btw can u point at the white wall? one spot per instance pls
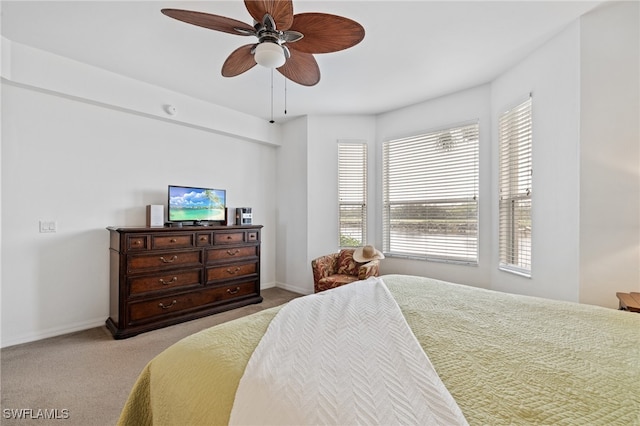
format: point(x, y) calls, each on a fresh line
point(87, 162)
point(586, 234)
point(308, 184)
point(292, 224)
point(610, 153)
point(552, 75)
point(581, 251)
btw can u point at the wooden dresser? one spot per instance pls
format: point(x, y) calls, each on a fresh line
point(163, 276)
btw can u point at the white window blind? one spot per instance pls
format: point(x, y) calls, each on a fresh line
point(430, 195)
point(352, 193)
point(515, 179)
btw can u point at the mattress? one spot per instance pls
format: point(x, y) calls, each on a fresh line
point(505, 359)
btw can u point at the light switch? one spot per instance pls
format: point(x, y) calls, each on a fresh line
point(48, 226)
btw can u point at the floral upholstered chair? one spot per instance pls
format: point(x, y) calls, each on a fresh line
point(347, 266)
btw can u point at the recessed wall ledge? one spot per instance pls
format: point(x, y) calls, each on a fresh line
point(35, 69)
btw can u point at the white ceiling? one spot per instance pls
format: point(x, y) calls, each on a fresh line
point(412, 50)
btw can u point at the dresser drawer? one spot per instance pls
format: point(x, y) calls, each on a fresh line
point(150, 261)
point(137, 242)
point(228, 237)
point(231, 271)
point(172, 305)
point(168, 281)
point(161, 242)
point(230, 253)
point(234, 291)
point(203, 239)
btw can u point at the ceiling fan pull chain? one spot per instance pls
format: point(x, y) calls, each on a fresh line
point(285, 96)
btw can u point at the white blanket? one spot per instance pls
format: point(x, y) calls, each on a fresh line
point(342, 357)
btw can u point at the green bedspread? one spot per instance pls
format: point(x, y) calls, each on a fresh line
point(506, 359)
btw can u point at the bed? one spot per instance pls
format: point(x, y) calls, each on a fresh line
point(505, 359)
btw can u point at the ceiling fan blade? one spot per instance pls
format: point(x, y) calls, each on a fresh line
point(212, 22)
point(302, 68)
point(325, 33)
point(280, 10)
point(239, 61)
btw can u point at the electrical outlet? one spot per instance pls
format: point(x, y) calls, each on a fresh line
point(48, 226)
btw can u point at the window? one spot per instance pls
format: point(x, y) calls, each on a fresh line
point(515, 178)
point(352, 193)
point(430, 195)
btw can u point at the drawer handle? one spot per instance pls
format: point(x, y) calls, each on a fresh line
point(203, 238)
point(173, 240)
point(233, 252)
point(229, 237)
point(234, 291)
point(137, 242)
point(171, 281)
point(162, 305)
point(233, 271)
point(173, 259)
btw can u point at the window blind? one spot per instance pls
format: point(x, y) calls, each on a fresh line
point(430, 195)
point(515, 186)
point(352, 193)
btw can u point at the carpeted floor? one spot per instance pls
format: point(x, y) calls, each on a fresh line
point(84, 378)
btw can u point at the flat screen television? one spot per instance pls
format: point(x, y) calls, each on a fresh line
point(191, 204)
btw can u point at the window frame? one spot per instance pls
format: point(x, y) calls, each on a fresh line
point(515, 189)
point(352, 191)
point(446, 218)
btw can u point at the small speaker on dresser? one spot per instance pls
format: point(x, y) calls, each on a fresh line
point(231, 216)
point(155, 215)
point(244, 216)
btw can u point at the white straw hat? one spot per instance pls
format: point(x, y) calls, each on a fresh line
point(367, 254)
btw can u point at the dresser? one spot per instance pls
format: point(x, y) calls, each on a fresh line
point(164, 276)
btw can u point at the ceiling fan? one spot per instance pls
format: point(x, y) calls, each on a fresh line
point(286, 41)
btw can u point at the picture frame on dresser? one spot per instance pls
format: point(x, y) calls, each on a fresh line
point(164, 276)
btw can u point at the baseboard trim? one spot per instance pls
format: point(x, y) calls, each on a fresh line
point(294, 288)
point(52, 332)
point(264, 286)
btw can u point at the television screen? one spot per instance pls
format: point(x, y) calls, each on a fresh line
point(196, 204)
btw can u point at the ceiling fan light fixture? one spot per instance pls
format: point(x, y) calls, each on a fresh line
point(269, 55)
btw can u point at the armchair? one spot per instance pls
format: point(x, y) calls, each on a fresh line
point(336, 269)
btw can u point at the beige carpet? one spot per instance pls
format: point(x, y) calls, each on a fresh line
point(84, 378)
